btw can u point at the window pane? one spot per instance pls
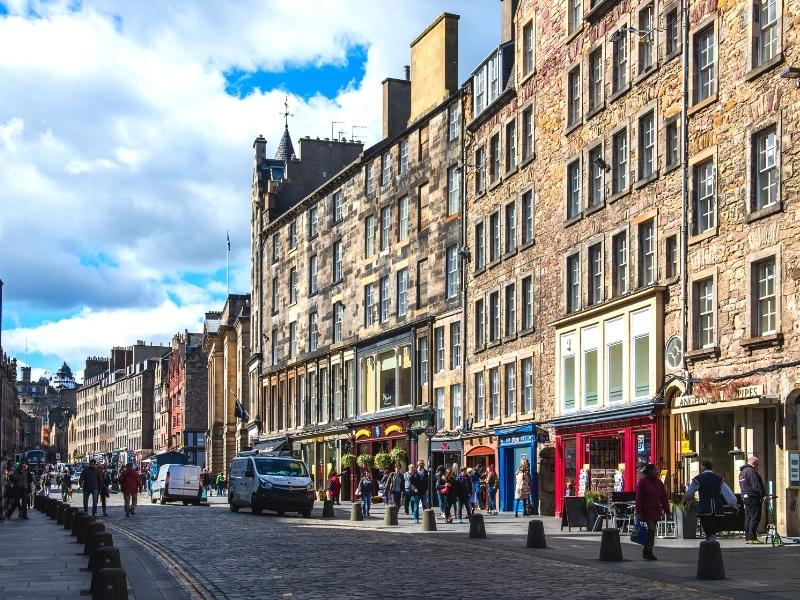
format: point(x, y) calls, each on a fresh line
point(590, 377)
point(641, 368)
point(614, 372)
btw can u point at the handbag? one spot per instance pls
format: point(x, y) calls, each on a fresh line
point(639, 532)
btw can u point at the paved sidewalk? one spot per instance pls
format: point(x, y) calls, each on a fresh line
point(39, 560)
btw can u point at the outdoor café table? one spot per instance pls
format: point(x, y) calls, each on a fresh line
point(623, 513)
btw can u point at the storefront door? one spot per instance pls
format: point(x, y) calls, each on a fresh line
point(716, 440)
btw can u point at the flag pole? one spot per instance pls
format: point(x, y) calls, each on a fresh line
point(228, 263)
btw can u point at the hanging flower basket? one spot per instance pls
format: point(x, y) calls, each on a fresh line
point(383, 460)
point(365, 461)
point(348, 461)
point(398, 455)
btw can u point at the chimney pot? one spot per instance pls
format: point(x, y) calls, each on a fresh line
point(407, 71)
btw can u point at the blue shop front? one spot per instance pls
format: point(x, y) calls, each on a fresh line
point(516, 444)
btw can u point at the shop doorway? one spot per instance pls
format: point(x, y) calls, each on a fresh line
point(716, 440)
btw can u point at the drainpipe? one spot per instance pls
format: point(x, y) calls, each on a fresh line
point(464, 254)
point(685, 196)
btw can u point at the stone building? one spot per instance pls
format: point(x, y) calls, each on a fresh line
point(187, 377)
point(134, 408)
point(161, 416)
point(8, 406)
point(632, 295)
point(356, 286)
point(226, 342)
point(50, 401)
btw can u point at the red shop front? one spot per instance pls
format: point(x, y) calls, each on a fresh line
point(604, 456)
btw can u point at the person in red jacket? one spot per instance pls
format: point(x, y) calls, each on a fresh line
point(651, 499)
point(129, 482)
point(334, 487)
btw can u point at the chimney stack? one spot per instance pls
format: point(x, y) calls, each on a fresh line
point(396, 106)
point(434, 62)
point(507, 22)
point(407, 71)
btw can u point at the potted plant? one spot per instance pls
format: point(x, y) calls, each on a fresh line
point(365, 461)
point(591, 497)
point(348, 461)
point(685, 514)
point(398, 455)
point(383, 460)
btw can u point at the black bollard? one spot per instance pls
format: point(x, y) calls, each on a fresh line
point(390, 516)
point(355, 513)
point(62, 510)
point(106, 557)
point(95, 541)
point(79, 518)
point(428, 520)
point(327, 509)
point(610, 547)
point(709, 561)
point(536, 534)
point(477, 529)
point(109, 584)
point(91, 529)
point(69, 517)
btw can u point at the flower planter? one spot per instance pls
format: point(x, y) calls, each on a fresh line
point(685, 524)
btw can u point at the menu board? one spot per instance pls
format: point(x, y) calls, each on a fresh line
point(794, 467)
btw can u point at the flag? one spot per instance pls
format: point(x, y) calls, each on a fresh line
point(228, 237)
point(240, 412)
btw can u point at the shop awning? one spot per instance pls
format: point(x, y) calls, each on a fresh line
point(481, 451)
point(516, 429)
point(626, 411)
point(280, 445)
point(698, 405)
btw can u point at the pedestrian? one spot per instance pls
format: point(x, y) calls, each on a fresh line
point(423, 484)
point(395, 485)
point(365, 489)
point(450, 492)
point(21, 488)
point(481, 472)
point(440, 485)
point(90, 482)
point(714, 494)
point(651, 500)
point(407, 487)
point(476, 486)
point(465, 491)
point(131, 486)
point(105, 487)
point(492, 485)
point(334, 486)
point(65, 484)
point(752, 487)
point(8, 487)
point(207, 483)
point(218, 484)
point(414, 489)
point(522, 490)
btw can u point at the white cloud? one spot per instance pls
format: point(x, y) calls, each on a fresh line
point(123, 161)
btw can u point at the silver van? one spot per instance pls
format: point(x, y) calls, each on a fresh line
point(268, 482)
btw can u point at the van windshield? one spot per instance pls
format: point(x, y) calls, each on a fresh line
point(283, 467)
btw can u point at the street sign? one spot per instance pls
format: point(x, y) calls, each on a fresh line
point(430, 430)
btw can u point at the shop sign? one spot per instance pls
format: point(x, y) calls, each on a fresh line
point(742, 393)
point(516, 439)
point(794, 468)
point(448, 446)
point(420, 423)
point(686, 447)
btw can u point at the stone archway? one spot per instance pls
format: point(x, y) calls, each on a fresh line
point(547, 481)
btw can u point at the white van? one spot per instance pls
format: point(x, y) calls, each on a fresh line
point(177, 482)
point(268, 482)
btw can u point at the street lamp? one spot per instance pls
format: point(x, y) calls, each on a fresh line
point(791, 73)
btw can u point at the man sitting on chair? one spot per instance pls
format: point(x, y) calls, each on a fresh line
point(714, 494)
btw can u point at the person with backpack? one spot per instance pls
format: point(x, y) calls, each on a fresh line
point(365, 488)
point(334, 486)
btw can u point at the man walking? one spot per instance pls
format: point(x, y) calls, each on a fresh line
point(90, 481)
point(714, 494)
point(407, 477)
point(423, 485)
point(129, 482)
point(752, 488)
point(20, 489)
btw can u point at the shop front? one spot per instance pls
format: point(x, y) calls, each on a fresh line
point(372, 437)
point(481, 451)
point(604, 451)
point(446, 452)
point(515, 445)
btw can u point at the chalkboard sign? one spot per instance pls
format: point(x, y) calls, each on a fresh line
point(573, 513)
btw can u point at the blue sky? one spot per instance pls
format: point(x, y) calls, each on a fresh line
point(126, 133)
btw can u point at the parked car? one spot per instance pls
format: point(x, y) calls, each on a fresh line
point(267, 482)
point(177, 482)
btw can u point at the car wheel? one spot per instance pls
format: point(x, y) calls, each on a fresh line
point(232, 506)
point(306, 514)
point(255, 505)
point(161, 499)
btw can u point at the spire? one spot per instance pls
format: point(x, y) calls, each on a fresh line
point(285, 148)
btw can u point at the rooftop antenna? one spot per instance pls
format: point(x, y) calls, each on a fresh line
point(286, 114)
point(342, 136)
point(335, 123)
point(353, 128)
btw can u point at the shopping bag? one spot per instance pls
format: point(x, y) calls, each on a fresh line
point(639, 532)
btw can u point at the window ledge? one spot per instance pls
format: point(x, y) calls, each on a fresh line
point(619, 93)
point(496, 183)
point(645, 74)
point(493, 344)
point(509, 337)
point(600, 107)
point(702, 354)
point(510, 253)
point(479, 195)
point(573, 126)
point(480, 271)
point(698, 106)
point(510, 172)
point(526, 77)
point(574, 34)
point(479, 349)
point(760, 69)
point(526, 161)
point(574, 219)
point(594, 208)
point(672, 167)
point(618, 195)
point(527, 245)
point(674, 54)
point(699, 237)
point(527, 331)
point(493, 263)
point(763, 212)
point(644, 181)
point(762, 341)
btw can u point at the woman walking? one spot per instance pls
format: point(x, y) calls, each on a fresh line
point(439, 487)
point(651, 499)
point(492, 484)
point(365, 488)
point(105, 483)
point(450, 493)
point(522, 490)
point(334, 486)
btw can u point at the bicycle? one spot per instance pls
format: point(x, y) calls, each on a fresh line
point(771, 536)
